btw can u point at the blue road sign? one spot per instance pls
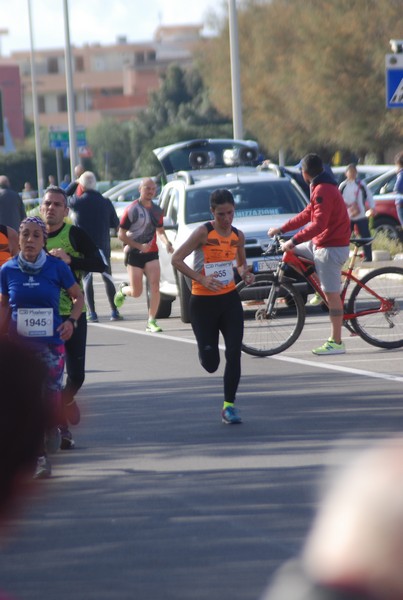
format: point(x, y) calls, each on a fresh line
point(394, 80)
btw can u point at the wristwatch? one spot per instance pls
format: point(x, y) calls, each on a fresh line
point(74, 321)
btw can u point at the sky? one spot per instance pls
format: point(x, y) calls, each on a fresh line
point(94, 21)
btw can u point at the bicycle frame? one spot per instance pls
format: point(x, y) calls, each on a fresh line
point(306, 268)
point(275, 317)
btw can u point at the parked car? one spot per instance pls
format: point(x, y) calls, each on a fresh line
point(116, 187)
point(366, 172)
point(386, 219)
point(125, 193)
point(104, 185)
point(262, 200)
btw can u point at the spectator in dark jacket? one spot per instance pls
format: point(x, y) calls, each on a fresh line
point(97, 216)
point(12, 210)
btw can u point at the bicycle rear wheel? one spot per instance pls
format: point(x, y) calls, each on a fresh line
point(265, 335)
point(383, 328)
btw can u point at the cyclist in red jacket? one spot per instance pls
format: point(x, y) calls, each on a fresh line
point(324, 239)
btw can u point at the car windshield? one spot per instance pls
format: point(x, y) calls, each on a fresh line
point(251, 200)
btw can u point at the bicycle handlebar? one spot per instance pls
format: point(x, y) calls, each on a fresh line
point(274, 246)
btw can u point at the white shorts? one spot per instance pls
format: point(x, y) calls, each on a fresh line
point(328, 263)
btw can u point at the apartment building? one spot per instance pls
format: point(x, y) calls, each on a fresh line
point(109, 81)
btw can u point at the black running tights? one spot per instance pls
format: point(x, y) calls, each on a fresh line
point(209, 316)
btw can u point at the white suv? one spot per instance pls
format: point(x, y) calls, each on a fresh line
point(262, 200)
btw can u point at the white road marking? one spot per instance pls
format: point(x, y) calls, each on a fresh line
point(299, 361)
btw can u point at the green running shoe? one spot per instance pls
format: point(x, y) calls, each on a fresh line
point(330, 347)
point(119, 297)
point(152, 326)
point(316, 300)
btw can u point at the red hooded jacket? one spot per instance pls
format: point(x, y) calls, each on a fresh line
point(326, 218)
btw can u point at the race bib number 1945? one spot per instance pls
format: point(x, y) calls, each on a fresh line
point(35, 322)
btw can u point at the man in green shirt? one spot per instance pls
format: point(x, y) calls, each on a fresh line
point(72, 245)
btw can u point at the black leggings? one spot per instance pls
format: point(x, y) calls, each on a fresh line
point(209, 315)
point(75, 359)
point(362, 226)
point(89, 289)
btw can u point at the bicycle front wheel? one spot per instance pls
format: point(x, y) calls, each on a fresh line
point(267, 334)
point(379, 318)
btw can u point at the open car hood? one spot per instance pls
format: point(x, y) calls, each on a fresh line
point(202, 156)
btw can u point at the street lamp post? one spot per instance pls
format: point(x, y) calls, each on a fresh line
point(38, 150)
point(235, 71)
point(70, 93)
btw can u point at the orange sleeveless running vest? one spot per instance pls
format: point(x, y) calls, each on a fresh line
point(219, 251)
point(5, 253)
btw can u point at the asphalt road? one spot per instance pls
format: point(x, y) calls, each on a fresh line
point(159, 500)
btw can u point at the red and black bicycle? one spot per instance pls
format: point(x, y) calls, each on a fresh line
point(274, 308)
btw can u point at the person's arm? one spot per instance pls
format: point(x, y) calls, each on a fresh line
point(66, 328)
point(196, 239)
point(129, 217)
point(124, 236)
point(319, 221)
point(299, 220)
point(113, 217)
point(13, 245)
point(296, 222)
point(71, 188)
point(243, 268)
point(163, 236)
point(91, 261)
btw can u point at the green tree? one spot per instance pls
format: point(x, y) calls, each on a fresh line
point(178, 111)
point(110, 144)
point(312, 72)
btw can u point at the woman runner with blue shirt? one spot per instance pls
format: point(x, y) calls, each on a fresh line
point(30, 285)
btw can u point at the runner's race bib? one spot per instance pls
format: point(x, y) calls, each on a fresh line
point(35, 322)
point(222, 271)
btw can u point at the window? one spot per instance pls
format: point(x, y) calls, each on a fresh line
point(99, 63)
point(112, 91)
point(174, 206)
point(53, 64)
point(79, 63)
point(41, 105)
point(62, 103)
